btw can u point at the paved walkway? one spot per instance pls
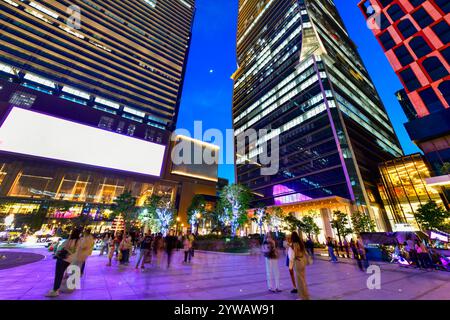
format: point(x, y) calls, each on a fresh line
point(217, 276)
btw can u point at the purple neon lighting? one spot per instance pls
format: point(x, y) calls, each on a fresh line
point(36, 134)
point(284, 195)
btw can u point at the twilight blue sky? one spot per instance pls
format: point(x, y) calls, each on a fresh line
point(208, 89)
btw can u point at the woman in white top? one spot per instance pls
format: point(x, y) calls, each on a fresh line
point(64, 257)
point(290, 264)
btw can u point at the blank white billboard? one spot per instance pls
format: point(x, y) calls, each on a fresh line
point(35, 134)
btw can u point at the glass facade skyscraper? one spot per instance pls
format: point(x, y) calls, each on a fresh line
point(415, 35)
point(300, 77)
point(123, 57)
point(75, 72)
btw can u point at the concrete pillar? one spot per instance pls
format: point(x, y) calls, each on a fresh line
point(325, 213)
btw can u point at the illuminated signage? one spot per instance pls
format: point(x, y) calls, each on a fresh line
point(35, 134)
point(438, 236)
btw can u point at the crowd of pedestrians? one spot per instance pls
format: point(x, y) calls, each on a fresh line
point(149, 249)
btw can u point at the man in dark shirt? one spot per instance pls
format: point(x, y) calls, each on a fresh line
point(145, 249)
point(171, 243)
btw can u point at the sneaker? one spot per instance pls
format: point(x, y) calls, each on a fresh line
point(278, 290)
point(294, 291)
point(52, 294)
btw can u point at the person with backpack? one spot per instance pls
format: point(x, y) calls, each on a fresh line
point(272, 271)
point(64, 255)
point(301, 260)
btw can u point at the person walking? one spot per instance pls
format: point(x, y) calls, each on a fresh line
point(125, 248)
point(309, 244)
point(412, 253)
point(105, 245)
point(290, 262)
point(422, 254)
point(171, 243)
point(300, 263)
point(330, 246)
point(145, 249)
point(187, 246)
point(346, 248)
point(272, 271)
point(356, 256)
point(362, 252)
point(85, 249)
point(64, 257)
point(158, 249)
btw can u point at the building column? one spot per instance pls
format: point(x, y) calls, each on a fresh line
point(13, 169)
point(325, 213)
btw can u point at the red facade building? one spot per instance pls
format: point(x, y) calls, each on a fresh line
point(415, 35)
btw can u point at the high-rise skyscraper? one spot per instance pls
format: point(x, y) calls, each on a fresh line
point(300, 76)
point(89, 95)
point(415, 35)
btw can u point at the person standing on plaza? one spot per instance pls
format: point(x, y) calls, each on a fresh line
point(330, 247)
point(362, 252)
point(158, 248)
point(310, 247)
point(356, 256)
point(271, 254)
point(192, 240)
point(105, 245)
point(171, 243)
point(187, 246)
point(290, 257)
point(125, 248)
point(346, 245)
point(112, 249)
point(412, 253)
point(145, 249)
point(64, 257)
point(300, 263)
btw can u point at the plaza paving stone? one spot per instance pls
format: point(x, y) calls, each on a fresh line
point(219, 276)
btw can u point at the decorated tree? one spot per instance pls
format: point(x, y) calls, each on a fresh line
point(432, 216)
point(125, 205)
point(161, 211)
point(260, 217)
point(341, 224)
point(195, 211)
point(236, 199)
point(275, 219)
point(362, 222)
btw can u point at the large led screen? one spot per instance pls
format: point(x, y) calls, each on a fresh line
point(34, 134)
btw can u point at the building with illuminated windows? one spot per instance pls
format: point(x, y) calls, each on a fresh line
point(89, 96)
point(404, 189)
point(415, 35)
point(300, 77)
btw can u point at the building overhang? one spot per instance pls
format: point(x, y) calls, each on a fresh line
point(439, 181)
point(319, 203)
